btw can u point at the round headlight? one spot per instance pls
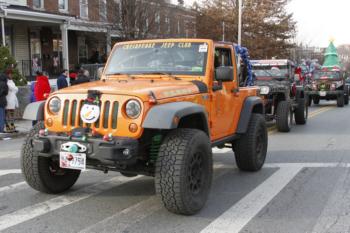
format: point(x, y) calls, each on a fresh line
point(55, 105)
point(133, 109)
point(264, 90)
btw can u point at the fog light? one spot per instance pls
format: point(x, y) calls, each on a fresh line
point(46, 132)
point(133, 128)
point(49, 122)
point(126, 152)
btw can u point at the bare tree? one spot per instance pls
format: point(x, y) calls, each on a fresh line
point(139, 19)
point(267, 28)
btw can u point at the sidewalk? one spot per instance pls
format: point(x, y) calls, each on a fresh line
point(23, 127)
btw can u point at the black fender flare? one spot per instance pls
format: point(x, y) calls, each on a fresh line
point(168, 116)
point(252, 104)
point(34, 111)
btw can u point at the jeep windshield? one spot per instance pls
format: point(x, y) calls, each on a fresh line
point(326, 75)
point(271, 71)
point(168, 58)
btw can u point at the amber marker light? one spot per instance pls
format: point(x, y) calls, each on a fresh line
point(133, 128)
point(49, 122)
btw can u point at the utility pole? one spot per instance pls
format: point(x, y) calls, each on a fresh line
point(240, 22)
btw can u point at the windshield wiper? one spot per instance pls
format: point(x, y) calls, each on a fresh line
point(164, 73)
point(118, 73)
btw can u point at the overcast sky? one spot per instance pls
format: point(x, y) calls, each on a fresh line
point(319, 20)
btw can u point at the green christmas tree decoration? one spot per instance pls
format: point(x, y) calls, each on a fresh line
point(331, 58)
point(7, 61)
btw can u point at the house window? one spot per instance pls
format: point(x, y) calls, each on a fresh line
point(103, 10)
point(167, 23)
point(84, 9)
point(39, 4)
point(63, 5)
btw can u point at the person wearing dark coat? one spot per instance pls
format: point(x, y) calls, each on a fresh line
point(83, 77)
point(3, 102)
point(62, 80)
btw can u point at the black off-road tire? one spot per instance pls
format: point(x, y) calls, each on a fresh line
point(316, 100)
point(340, 101)
point(301, 112)
point(184, 171)
point(43, 174)
point(250, 150)
point(283, 116)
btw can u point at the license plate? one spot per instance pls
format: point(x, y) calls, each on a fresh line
point(323, 93)
point(76, 161)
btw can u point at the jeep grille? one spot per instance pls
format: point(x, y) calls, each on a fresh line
point(107, 120)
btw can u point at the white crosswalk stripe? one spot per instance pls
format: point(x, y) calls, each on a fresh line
point(9, 171)
point(335, 215)
point(39, 209)
point(120, 221)
point(236, 217)
point(12, 187)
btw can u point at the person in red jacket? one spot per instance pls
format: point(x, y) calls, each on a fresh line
point(42, 87)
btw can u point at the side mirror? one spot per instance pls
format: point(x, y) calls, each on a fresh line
point(99, 72)
point(224, 74)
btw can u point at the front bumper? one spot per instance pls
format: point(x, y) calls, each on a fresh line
point(97, 149)
point(328, 94)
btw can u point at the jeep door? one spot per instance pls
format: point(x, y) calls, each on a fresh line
point(223, 105)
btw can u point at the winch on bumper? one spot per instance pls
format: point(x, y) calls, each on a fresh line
point(118, 149)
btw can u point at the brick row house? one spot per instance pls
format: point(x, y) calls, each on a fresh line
point(49, 35)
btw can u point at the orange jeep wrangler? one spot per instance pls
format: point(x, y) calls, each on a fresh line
point(158, 109)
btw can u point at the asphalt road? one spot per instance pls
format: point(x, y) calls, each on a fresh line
point(303, 187)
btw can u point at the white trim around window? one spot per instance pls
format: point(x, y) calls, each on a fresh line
point(63, 5)
point(38, 4)
point(84, 9)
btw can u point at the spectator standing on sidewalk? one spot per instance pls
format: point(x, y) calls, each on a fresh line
point(42, 87)
point(12, 103)
point(83, 77)
point(3, 102)
point(62, 80)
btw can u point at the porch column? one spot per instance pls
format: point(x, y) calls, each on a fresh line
point(65, 53)
point(109, 42)
point(3, 31)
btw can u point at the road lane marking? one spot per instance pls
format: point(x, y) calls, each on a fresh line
point(16, 186)
point(221, 151)
point(335, 217)
point(122, 220)
point(273, 129)
point(236, 217)
point(30, 212)
point(10, 171)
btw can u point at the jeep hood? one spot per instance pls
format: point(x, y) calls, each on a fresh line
point(142, 88)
